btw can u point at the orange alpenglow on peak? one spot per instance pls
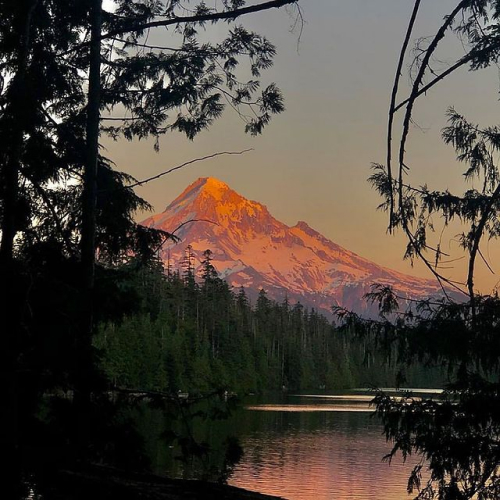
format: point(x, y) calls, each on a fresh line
point(252, 249)
point(208, 185)
point(210, 199)
point(205, 187)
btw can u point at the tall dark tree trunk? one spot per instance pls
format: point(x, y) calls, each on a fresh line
point(89, 205)
point(15, 118)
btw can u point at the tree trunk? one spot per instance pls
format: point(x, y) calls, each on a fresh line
point(89, 199)
point(85, 330)
point(16, 115)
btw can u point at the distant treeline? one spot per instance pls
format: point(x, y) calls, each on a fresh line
point(193, 333)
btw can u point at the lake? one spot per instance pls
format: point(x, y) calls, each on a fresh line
point(304, 447)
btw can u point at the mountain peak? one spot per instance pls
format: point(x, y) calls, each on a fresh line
point(206, 185)
point(210, 184)
point(253, 249)
point(211, 199)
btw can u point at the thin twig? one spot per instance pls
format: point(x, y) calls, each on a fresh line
point(185, 164)
point(176, 239)
point(194, 220)
point(436, 80)
point(416, 87)
point(406, 130)
point(485, 261)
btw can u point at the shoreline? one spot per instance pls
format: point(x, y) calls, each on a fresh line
point(102, 482)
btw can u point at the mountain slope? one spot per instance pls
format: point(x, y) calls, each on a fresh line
point(254, 250)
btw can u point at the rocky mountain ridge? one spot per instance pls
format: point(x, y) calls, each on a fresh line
point(252, 249)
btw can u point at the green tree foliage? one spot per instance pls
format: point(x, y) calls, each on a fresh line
point(44, 68)
point(71, 72)
point(194, 334)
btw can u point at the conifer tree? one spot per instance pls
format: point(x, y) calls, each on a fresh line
point(62, 65)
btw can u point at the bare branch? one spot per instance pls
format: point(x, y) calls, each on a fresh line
point(461, 62)
point(194, 220)
point(171, 235)
point(185, 164)
point(392, 108)
point(211, 17)
point(478, 233)
point(406, 130)
point(416, 87)
point(436, 80)
point(485, 261)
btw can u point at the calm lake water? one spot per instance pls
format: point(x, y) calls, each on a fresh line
point(320, 447)
point(304, 447)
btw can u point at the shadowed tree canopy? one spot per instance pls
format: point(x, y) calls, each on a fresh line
point(70, 72)
point(456, 436)
point(143, 90)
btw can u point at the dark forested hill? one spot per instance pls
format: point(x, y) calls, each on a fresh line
point(194, 334)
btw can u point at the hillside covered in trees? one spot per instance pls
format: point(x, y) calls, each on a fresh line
point(194, 333)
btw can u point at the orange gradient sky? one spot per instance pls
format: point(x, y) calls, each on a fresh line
point(312, 161)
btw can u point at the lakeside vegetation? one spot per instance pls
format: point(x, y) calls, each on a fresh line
point(69, 70)
point(192, 333)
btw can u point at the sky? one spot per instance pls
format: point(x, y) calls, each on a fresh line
point(312, 162)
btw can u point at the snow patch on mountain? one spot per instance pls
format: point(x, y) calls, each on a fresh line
point(251, 248)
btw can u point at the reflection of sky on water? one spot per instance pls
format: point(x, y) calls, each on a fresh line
point(320, 451)
point(343, 397)
point(311, 408)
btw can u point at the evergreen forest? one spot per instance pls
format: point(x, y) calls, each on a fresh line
point(192, 333)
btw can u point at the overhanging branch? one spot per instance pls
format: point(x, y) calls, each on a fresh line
point(185, 164)
point(209, 17)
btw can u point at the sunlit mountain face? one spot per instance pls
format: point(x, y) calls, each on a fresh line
point(252, 249)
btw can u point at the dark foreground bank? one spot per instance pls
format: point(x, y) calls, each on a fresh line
point(101, 482)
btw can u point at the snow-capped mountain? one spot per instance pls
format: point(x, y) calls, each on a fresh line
point(250, 248)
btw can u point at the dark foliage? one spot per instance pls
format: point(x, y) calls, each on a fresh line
point(66, 234)
point(456, 436)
